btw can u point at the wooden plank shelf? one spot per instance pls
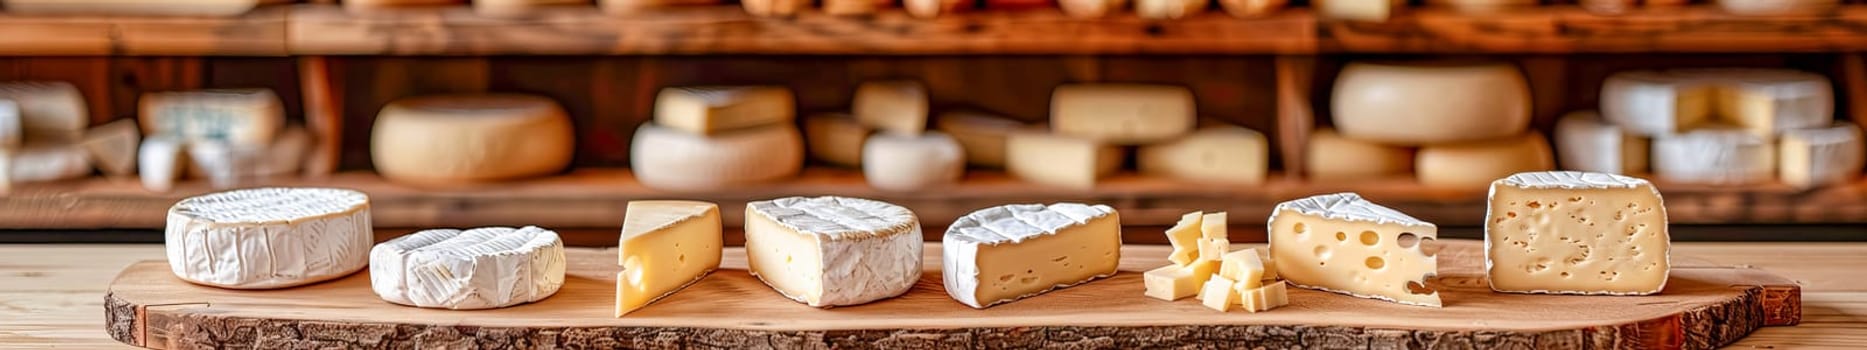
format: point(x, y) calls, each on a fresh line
point(326, 29)
point(596, 198)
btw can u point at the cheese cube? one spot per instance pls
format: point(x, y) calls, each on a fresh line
point(1228, 154)
point(242, 117)
point(1005, 253)
point(1259, 299)
point(1185, 237)
point(835, 138)
point(1475, 164)
point(1821, 156)
point(1345, 244)
point(893, 107)
point(49, 111)
point(905, 163)
point(833, 251)
point(1716, 156)
point(1213, 238)
point(1568, 232)
point(1175, 282)
point(1586, 142)
point(1333, 157)
point(113, 147)
point(665, 246)
point(1060, 160)
point(982, 135)
point(1122, 113)
point(704, 110)
point(1243, 266)
point(1218, 294)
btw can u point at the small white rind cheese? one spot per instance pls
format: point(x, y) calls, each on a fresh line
point(1821, 156)
point(481, 268)
point(269, 237)
point(669, 159)
point(833, 251)
point(1714, 156)
point(905, 163)
point(1006, 253)
point(1570, 232)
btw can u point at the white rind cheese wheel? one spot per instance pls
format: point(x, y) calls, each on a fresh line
point(1333, 157)
point(39, 162)
point(1430, 103)
point(906, 163)
point(671, 159)
point(833, 251)
point(1476, 164)
point(1765, 101)
point(133, 7)
point(894, 107)
point(245, 117)
point(982, 135)
point(1586, 142)
point(1122, 113)
point(49, 111)
point(1002, 254)
point(1226, 154)
point(267, 238)
point(225, 164)
point(481, 268)
point(705, 110)
point(835, 138)
point(113, 147)
point(1821, 156)
point(1719, 156)
point(160, 162)
point(1656, 103)
point(452, 139)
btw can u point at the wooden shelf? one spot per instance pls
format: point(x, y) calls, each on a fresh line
point(596, 198)
point(330, 30)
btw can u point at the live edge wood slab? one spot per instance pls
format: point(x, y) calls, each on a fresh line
point(1705, 305)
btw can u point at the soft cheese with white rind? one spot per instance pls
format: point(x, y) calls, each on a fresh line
point(1006, 253)
point(1586, 142)
point(666, 245)
point(1714, 156)
point(160, 160)
point(705, 110)
point(266, 238)
point(671, 159)
point(49, 111)
point(833, 251)
point(482, 268)
point(1390, 103)
point(905, 163)
point(1821, 156)
point(1345, 244)
point(1571, 232)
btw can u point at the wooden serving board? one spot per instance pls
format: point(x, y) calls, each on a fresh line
point(1704, 306)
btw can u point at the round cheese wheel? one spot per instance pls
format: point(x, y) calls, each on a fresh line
point(1476, 164)
point(1430, 103)
point(266, 238)
point(1719, 155)
point(670, 159)
point(905, 163)
point(471, 138)
point(1333, 157)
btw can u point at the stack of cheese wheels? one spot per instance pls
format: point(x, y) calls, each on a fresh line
point(887, 137)
point(269, 237)
point(1094, 126)
point(1715, 126)
point(233, 137)
point(717, 137)
point(1452, 124)
point(459, 139)
point(42, 125)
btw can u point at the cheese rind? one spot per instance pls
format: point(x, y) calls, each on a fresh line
point(49, 111)
point(41, 162)
point(704, 110)
point(1345, 244)
point(1586, 142)
point(481, 268)
point(665, 246)
point(1231, 155)
point(893, 107)
point(1002, 254)
point(905, 163)
point(1821, 156)
point(113, 147)
point(266, 238)
point(1568, 232)
point(833, 251)
point(1388, 103)
point(160, 162)
point(1719, 156)
point(1175, 282)
point(1060, 160)
point(1333, 157)
point(1768, 101)
point(456, 139)
point(835, 138)
point(1122, 113)
point(670, 159)
point(1476, 164)
point(983, 136)
point(1656, 102)
point(249, 117)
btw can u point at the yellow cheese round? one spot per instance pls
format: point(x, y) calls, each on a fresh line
point(1333, 157)
point(1430, 103)
point(471, 138)
point(1476, 164)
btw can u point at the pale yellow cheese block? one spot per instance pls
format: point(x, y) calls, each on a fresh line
point(1333, 157)
point(1568, 232)
point(1430, 103)
point(1821, 156)
point(894, 107)
point(1214, 240)
point(49, 111)
point(1261, 299)
point(453, 139)
point(1060, 160)
point(1244, 267)
point(1185, 236)
point(982, 135)
point(665, 246)
point(835, 138)
point(1175, 282)
point(1218, 294)
point(1226, 154)
point(1122, 113)
point(1476, 164)
point(113, 147)
point(705, 110)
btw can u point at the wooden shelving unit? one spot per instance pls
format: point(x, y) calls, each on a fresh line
point(1271, 74)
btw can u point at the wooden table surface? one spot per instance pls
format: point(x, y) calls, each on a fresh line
point(51, 296)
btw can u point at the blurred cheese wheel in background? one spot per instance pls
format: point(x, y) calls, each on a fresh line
point(1417, 104)
point(670, 159)
point(471, 138)
point(1475, 164)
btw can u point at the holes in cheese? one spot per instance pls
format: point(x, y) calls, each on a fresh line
point(1567, 232)
point(1312, 247)
point(665, 246)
